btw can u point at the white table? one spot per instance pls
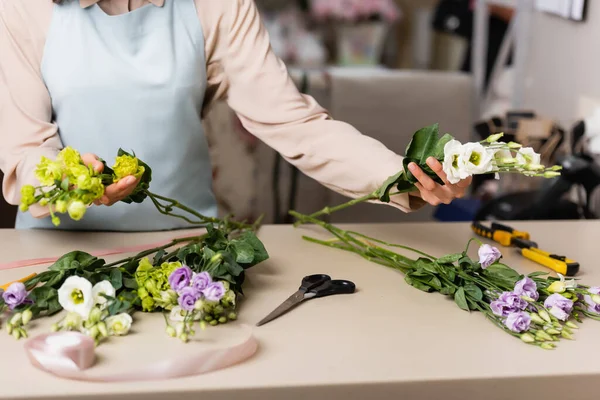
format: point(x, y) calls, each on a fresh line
point(387, 341)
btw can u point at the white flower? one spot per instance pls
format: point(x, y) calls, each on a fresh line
point(75, 295)
point(477, 159)
point(453, 165)
point(119, 325)
point(527, 155)
point(100, 289)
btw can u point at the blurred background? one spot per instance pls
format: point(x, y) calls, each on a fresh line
point(390, 67)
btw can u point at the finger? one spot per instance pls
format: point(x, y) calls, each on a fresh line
point(92, 160)
point(435, 197)
point(455, 189)
point(428, 183)
point(119, 190)
point(427, 196)
point(465, 183)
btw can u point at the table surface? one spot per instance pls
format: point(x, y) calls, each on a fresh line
point(386, 341)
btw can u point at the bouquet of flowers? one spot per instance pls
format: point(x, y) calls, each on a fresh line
point(193, 279)
point(538, 310)
point(67, 185)
point(460, 161)
point(355, 10)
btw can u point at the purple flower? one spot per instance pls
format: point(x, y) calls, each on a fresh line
point(508, 303)
point(592, 306)
point(15, 295)
point(180, 278)
point(214, 292)
point(201, 281)
point(488, 255)
point(518, 321)
point(527, 287)
point(188, 298)
point(559, 306)
point(594, 290)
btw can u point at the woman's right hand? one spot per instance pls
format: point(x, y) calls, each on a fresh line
point(115, 192)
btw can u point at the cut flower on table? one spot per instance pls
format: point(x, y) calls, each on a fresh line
point(538, 310)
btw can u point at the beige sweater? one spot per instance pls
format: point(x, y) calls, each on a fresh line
point(242, 69)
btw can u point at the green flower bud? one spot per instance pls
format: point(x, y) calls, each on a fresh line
point(16, 334)
point(208, 318)
point(142, 293)
point(596, 299)
point(23, 333)
point(222, 320)
point(102, 329)
point(95, 315)
point(571, 325)
point(214, 322)
point(148, 304)
point(93, 332)
point(551, 174)
point(171, 331)
point(494, 138)
point(150, 286)
point(545, 316)
point(528, 338)
point(566, 335)
point(16, 319)
point(76, 210)
point(55, 221)
point(9, 328)
point(43, 202)
point(513, 145)
point(552, 331)
point(567, 295)
point(27, 315)
point(544, 335)
point(199, 305)
point(184, 338)
point(202, 325)
point(535, 317)
point(61, 206)
point(547, 346)
point(556, 168)
point(55, 328)
point(232, 316)
point(218, 309)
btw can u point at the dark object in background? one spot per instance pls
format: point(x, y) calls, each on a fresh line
point(456, 17)
point(8, 213)
point(549, 202)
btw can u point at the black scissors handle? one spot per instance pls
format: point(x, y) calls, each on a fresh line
point(333, 287)
point(313, 281)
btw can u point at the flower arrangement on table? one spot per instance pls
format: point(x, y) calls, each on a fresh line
point(536, 309)
point(539, 310)
point(196, 280)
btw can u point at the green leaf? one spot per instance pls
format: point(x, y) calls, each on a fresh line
point(427, 265)
point(160, 254)
point(260, 252)
point(460, 299)
point(243, 251)
point(449, 259)
point(57, 279)
point(435, 283)
point(116, 278)
point(42, 295)
point(130, 283)
point(538, 273)
point(416, 284)
point(438, 151)
point(384, 191)
point(422, 144)
point(75, 260)
point(447, 290)
point(474, 291)
point(54, 306)
point(502, 274)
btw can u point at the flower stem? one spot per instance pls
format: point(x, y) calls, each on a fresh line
point(328, 210)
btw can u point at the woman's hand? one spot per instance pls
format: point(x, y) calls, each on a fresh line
point(431, 191)
point(115, 192)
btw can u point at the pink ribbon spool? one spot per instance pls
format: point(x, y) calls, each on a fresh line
point(69, 354)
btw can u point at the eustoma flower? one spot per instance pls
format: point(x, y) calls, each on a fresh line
point(488, 255)
point(508, 303)
point(527, 287)
point(76, 295)
point(518, 321)
point(15, 295)
point(559, 306)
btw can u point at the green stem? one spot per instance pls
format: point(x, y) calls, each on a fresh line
point(392, 245)
point(203, 220)
point(328, 210)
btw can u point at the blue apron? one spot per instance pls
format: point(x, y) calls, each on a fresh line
point(135, 81)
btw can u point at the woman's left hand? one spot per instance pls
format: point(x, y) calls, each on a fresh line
point(431, 191)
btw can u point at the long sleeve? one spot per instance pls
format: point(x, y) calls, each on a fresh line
point(26, 131)
point(261, 92)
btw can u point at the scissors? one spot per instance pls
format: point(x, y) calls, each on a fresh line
point(312, 286)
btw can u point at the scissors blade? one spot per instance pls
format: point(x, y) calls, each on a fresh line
point(292, 301)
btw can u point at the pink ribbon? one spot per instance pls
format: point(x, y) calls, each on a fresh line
point(100, 253)
point(69, 354)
